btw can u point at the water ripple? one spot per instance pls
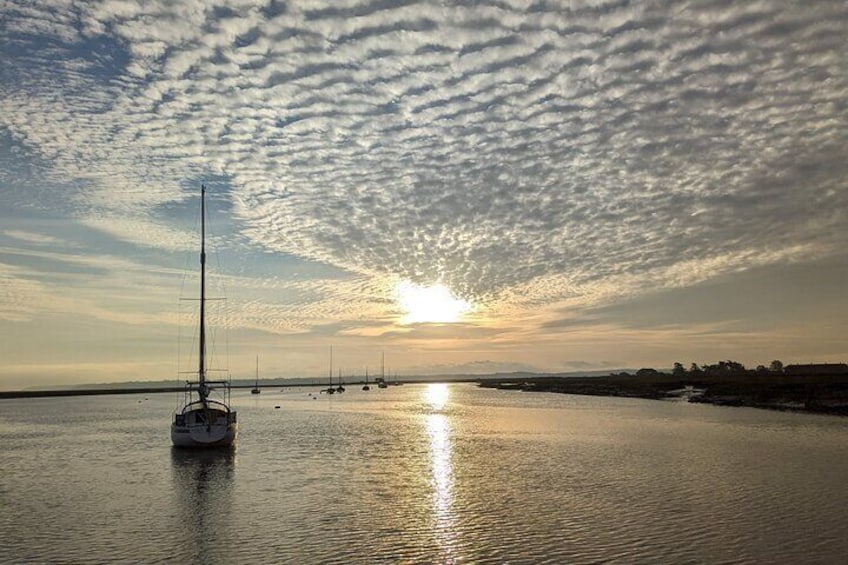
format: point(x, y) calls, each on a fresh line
point(412, 475)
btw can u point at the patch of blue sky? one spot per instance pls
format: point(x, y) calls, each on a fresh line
point(101, 58)
point(49, 269)
point(229, 248)
point(19, 164)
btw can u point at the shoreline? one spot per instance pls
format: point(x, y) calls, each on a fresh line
point(817, 394)
point(101, 391)
point(84, 392)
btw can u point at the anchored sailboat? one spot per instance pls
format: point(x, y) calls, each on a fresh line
point(381, 380)
point(341, 387)
point(204, 422)
point(255, 389)
point(330, 389)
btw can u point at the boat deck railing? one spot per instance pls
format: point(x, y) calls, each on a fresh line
point(221, 390)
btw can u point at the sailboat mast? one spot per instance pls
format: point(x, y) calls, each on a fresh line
point(201, 371)
point(331, 365)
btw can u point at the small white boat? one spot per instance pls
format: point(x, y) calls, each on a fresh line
point(203, 421)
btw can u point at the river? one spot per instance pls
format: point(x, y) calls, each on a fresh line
point(428, 473)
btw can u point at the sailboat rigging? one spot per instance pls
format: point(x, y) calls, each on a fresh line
point(203, 421)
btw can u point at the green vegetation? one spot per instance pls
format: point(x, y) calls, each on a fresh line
point(821, 388)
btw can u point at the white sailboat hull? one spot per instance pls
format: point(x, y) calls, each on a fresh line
point(216, 435)
point(209, 424)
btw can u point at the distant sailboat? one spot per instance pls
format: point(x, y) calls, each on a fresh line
point(340, 388)
point(381, 381)
point(204, 422)
point(255, 389)
point(330, 389)
point(366, 387)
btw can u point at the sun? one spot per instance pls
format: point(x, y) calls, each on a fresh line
point(430, 304)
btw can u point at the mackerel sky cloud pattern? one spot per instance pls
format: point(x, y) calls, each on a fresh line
point(520, 152)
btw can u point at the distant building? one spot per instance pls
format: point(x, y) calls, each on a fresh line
point(813, 369)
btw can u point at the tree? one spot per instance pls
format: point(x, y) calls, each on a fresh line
point(776, 366)
point(734, 367)
point(724, 368)
point(678, 370)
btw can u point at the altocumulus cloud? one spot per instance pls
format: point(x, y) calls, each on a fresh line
point(516, 151)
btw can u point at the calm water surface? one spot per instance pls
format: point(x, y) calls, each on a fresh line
point(423, 474)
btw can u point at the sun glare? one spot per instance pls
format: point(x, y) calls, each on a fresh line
point(436, 395)
point(430, 304)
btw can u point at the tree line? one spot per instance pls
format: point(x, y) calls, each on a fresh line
point(726, 368)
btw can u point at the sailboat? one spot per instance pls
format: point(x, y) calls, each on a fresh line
point(341, 387)
point(381, 380)
point(203, 421)
point(330, 389)
point(366, 387)
point(255, 389)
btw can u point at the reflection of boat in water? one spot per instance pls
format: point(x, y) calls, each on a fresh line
point(255, 389)
point(203, 421)
point(203, 485)
point(199, 464)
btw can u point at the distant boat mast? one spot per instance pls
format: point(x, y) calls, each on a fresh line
point(255, 389)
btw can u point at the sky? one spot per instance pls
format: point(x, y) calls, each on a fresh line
point(463, 187)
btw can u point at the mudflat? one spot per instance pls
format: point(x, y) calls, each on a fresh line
point(826, 394)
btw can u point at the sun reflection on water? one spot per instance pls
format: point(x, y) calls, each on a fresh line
point(438, 428)
point(436, 395)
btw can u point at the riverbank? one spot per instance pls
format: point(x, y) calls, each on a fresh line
point(84, 392)
point(824, 394)
point(109, 390)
